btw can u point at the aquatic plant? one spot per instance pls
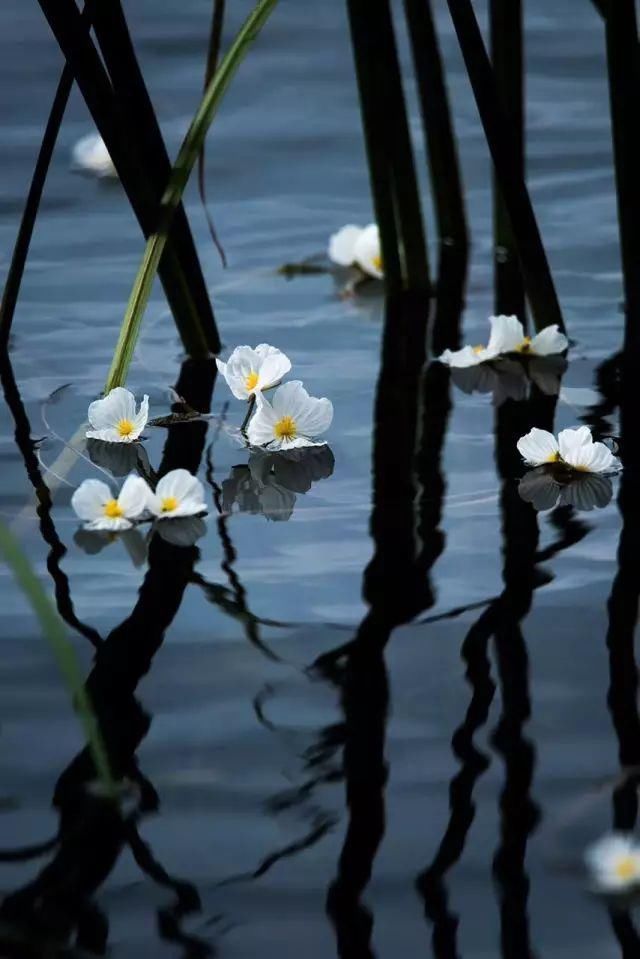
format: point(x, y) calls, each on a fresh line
point(573, 449)
point(507, 336)
point(249, 371)
point(115, 418)
point(358, 246)
point(94, 502)
point(177, 494)
point(291, 421)
point(614, 863)
point(90, 155)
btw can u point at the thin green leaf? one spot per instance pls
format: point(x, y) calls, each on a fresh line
point(186, 160)
point(54, 633)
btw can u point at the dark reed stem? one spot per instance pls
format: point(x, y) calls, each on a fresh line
point(537, 276)
point(389, 150)
point(140, 121)
point(444, 168)
point(505, 20)
point(178, 275)
point(29, 214)
point(213, 53)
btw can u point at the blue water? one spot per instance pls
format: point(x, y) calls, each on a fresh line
point(244, 747)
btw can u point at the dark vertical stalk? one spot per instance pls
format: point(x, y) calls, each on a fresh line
point(444, 170)
point(389, 150)
point(213, 53)
point(141, 124)
point(505, 19)
point(535, 268)
point(177, 275)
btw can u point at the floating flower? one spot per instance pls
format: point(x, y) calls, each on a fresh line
point(94, 503)
point(614, 863)
point(545, 489)
point(249, 371)
point(507, 336)
point(90, 154)
point(115, 420)
point(358, 246)
point(178, 493)
point(573, 449)
point(292, 421)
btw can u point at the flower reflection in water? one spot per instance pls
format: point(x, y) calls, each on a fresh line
point(510, 379)
point(269, 483)
point(546, 487)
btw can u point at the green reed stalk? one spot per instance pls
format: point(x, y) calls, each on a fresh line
point(389, 150)
point(535, 268)
point(186, 160)
point(505, 21)
point(54, 633)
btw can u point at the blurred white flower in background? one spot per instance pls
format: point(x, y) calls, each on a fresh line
point(614, 863)
point(358, 246)
point(91, 155)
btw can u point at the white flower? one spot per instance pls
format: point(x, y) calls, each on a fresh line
point(507, 336)
point(94, 503)
point(178, 493)
point(358, 246)
point(292, 421)
point(572, 448)
point(114, 419)
point(614, 863)
point(90, 153)
point(249, 371)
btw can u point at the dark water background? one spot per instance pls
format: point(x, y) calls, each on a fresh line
point(244, 748)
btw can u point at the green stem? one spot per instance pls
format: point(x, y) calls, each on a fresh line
point(186, 160)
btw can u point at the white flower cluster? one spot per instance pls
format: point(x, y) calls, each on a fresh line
point(292, 419)
point(177, 495)
point(358, 246)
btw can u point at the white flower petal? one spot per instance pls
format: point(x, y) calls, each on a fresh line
point(549, 341)
point(114, 523)
point(109, 435)
point(614, 863)
point(134, 497)
point(141, 417)
point(90, 153)
point(260, 428)
point(106, 414)
point(575, 446)
point(342, 245)
point(89, 499)
point(316, 418)
point(179, 485)
point(538, 447)
point(272, 368)
point(367, 251)
point(461, 359)
point(507, 334)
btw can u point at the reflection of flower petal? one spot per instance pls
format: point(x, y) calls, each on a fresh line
point(94, 541)
point(510, 382)
point(546, 372)
point(119, 458)
point(539, 488)
point(586, 492)
point(182, 531)
point(276, 503)
point(270, 481)
point(474, 379)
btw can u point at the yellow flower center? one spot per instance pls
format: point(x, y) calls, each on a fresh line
point(377, 263)
point(168, 504)
point(286, 429)
point(525, 346)
point(478, 349)
point(112, 509)
point(125, 427)
point(626, 868)
point(554, 458)
point(252, 380)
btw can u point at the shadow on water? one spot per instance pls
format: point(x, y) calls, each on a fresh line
point(57, 906)
point(27, 447)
